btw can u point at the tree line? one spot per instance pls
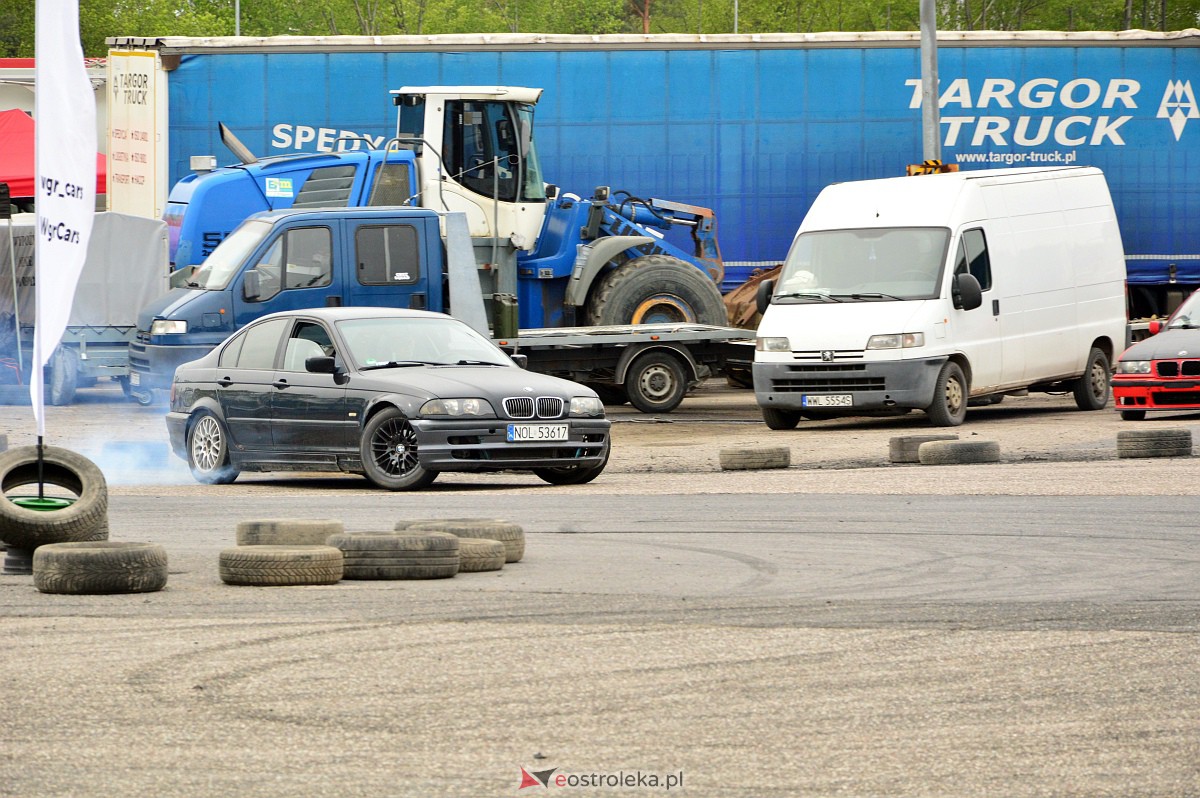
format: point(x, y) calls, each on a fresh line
point(100, 19)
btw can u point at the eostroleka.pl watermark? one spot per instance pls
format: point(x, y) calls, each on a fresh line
point(622, 779)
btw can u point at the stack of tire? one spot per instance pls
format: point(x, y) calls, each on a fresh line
point(486, 544)
point(283, 552)
point(398, 555)
point(64, 542)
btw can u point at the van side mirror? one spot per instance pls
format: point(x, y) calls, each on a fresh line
point(762, 297)
point(966, 292)
point(250, 284)
point(521, 360)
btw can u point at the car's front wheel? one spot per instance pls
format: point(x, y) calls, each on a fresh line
point(208, 451)
point(572, 475)
point(389, 452)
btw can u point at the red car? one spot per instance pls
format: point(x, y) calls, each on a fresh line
point(1162, 372)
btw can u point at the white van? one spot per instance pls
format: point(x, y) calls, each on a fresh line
point(934, 291)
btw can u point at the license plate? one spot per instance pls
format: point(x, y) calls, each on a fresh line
point(829, 400)
point(534, 433)
point(135, 378)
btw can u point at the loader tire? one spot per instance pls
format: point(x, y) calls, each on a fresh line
point(958, 452)
point(97, 568)
point(287, 532)
point(656, 289)
point(511, 535)
point(83, 519)
point(747, 458)
point(1154, 443)
point(905, 449)
point(278, 566)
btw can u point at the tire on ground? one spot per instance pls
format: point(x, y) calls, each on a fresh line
point(511, 535)
point(287, 532)
point(958, 452)
point(278, 566)
point(903, 449)
point(99, 567)
point(407, 554)
point(743, 458)
point(84, 519)
point(1154, 443)
point(656, 288)
point(480, 554)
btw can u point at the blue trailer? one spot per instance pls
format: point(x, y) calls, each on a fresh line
point(752, 126)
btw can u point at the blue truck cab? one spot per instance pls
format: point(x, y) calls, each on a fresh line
point(207, 205)
point(284, 260)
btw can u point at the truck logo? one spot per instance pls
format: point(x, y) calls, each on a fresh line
point(827, 355)
point(1178, 105)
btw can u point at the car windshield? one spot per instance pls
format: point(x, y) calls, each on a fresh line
point(396, 342)
point(1187, 317)
point(868, 265)
point(220, 267)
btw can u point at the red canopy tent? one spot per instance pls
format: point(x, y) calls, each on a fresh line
point(16, 155)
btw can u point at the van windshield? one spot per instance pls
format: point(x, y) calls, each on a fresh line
point(867, 265)
point(220, 267)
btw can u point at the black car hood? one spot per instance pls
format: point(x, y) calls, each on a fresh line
point(488, 382)
point(1167, 345)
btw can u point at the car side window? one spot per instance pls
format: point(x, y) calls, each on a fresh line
point(387, 254)
point(260, 344)
point(229, 355)
point(973, 257)
point(308, 339)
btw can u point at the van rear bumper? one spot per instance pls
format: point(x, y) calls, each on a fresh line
point(880, 385)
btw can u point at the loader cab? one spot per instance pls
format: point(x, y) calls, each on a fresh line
point(488, 165)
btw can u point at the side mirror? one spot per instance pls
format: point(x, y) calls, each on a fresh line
point(1155, 327)
point(251, 288)
point(521, 360)
point(762, 298)
point(321, 364)
point(966, 292)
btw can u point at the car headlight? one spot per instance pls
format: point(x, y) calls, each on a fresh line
point(168, 327)
point(767, 344)
point(896, 341)
point(1133, 367)
point(457, 407)
point(586, 406)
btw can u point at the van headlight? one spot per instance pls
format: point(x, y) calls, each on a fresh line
point(168, 327)
point(896, 341)
point(772, 345)
point(457, 407)
point(586, 406)
point(1133, 367)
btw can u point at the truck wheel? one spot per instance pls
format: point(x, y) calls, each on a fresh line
point(949, 406)
point(780, 419)
point(62, 376)
point(208, 450)
point(1091, 390)
point(571, 475)
point(656, 289)
point(389, 453)
point(656, 382)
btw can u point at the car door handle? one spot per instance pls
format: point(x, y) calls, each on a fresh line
point(224, 382)
point(280, 383)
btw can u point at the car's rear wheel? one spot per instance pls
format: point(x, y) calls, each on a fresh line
point(208, 451)
point(390, 455)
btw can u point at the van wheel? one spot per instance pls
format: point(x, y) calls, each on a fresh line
point(1091, 390)
point(780, 419)
point(949, 406)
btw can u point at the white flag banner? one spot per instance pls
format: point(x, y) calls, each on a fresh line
point(65, 154)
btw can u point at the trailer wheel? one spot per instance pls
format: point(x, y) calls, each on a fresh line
point(62, 376)
point(1091, 390)
point(208, 450)
point(656, 289)
point(656, 382)
point(780, 419)
point(949, 406)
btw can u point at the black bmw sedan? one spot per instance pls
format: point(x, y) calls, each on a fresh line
point(396, 395)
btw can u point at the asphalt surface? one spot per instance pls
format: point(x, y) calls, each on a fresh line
point(844, 626)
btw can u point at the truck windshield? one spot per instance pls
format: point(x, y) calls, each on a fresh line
point(220, 267)
point(866, 265)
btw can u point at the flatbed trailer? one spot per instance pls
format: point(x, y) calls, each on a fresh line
point(652, 366)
